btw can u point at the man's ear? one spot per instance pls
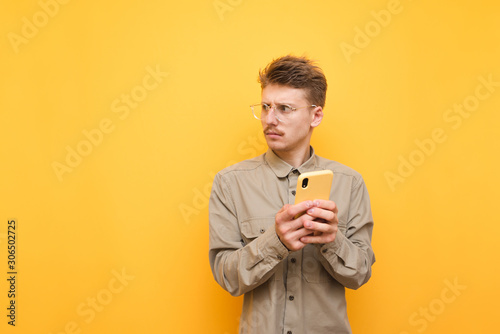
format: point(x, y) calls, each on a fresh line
point(317, 116)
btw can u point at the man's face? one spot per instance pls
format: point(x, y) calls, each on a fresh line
point(292, 133)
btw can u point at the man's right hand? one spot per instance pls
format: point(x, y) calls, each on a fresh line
point(289, 229)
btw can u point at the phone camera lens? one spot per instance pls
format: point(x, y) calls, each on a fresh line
point(305, 182)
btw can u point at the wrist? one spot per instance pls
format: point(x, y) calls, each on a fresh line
point(288, 249)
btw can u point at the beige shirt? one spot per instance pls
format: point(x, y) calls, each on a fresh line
point(287, 292)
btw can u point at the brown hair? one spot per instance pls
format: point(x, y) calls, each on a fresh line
point(296, 72)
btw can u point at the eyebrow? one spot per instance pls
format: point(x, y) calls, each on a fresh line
point(279, 103)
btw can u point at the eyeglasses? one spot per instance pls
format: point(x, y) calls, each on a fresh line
point(281, 111)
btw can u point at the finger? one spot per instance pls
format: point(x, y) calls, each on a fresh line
point(326, 204)
point(284, 208)
point(322, 214)
point(294, 210)
point(320, 239)
point(291, 239)
point(320, 227)
point(299, 222)
point(285, 225)
point(299, 234)
point(281, 216)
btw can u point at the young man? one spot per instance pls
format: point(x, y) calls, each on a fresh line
point(293, 272)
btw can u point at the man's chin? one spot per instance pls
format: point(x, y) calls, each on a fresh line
point(276, 146)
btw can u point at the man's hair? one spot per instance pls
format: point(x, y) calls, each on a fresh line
point(296, 72)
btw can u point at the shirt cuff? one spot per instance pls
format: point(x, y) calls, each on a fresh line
point(271, 245)
point(332, 248)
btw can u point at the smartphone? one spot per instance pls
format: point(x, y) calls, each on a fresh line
point(313, 185)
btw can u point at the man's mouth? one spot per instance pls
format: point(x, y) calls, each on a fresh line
point(272, 133)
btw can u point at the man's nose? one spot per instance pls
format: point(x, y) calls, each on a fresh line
point(271, 117)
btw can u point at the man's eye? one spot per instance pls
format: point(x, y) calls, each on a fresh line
point(285, 108)
point(265, 107)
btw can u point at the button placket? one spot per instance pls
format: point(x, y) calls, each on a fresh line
point(293, 273)
point(292, 184)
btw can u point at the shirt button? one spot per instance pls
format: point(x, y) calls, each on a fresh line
point(291, 297)
point(296, 171)
point(293, 192)
point(289, 332)
point(262, 230)
point(324, 250)
point(280, 257)
point(293, 260)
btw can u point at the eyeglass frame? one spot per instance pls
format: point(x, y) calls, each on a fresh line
point(270, 106)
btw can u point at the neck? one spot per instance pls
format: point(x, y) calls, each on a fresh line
point(296, 157)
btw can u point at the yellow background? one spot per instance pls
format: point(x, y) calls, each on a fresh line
point(137, 202)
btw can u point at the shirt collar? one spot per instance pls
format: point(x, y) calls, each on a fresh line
point(282, 168)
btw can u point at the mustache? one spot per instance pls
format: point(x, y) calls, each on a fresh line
point(272, 130)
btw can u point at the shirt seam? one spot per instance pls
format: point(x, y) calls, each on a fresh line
point(353, 187)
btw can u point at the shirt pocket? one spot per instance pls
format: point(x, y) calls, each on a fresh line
point(312, 269)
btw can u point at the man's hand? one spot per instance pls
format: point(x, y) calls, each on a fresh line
point(317, 225)
point(324, 222)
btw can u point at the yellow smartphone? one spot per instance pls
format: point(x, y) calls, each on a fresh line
point(313, 185)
